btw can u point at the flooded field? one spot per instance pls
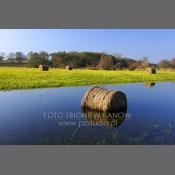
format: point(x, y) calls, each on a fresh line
point(54, 116)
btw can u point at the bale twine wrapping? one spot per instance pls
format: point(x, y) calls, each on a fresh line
point(97, 98)
point(44, 67)
point(69, 68)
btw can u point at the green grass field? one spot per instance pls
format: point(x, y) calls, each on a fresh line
point(24, 78)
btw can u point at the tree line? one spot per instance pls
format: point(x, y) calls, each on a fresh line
point(90, 60)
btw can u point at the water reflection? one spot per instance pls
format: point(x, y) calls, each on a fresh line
point(149, 84)
point(150, 117)
point(104, 118)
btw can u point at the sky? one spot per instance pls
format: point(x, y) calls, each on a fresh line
point(156, 44)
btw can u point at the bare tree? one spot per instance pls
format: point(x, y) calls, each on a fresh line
point(106, 62)
point(164, 64)
point(145, 63)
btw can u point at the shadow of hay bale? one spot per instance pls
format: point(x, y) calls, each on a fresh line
point(104, 100)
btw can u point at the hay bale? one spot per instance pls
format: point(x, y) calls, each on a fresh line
point(152, 70)
point(69, 68)
point(44, 67)
point(150, 84)
point(100, 99)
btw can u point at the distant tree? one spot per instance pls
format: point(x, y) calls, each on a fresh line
point(38, 58)
point(133, 65)
point(106, 62)
point(118, 65)
point(141, 63)
point(145, 63)
point(11, 56)
point(164, 64)
point(35, 60)
point(56, 60)
point(20, 56)
point(44, 55)
point(2, 56)
point(173, 63)
point(92, 60)
point(29, 55)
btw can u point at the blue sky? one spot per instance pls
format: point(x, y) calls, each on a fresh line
point(156, 44)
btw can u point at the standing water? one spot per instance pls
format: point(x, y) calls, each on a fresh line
point(54, 116)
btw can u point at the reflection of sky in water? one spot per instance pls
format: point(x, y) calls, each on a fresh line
point(152, 116)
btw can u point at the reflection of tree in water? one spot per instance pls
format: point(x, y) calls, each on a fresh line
point(104, 118)
point(149, 84)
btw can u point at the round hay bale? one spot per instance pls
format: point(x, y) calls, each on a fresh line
point(150, 84)
point(97, 98)
point(69, 68)
point(152, 70)
point(103, 118)
point(44, 67)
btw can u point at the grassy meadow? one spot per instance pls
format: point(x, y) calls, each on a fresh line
point(24, 78)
